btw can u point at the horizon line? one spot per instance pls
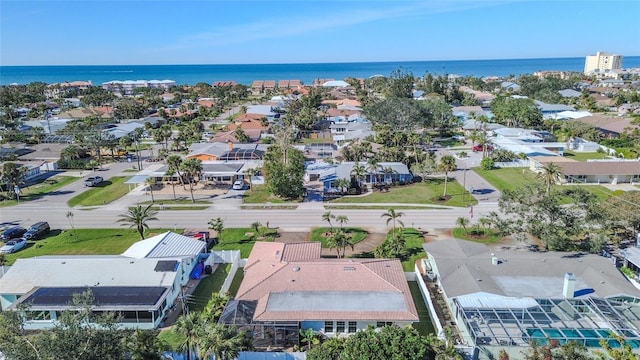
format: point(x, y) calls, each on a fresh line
point(308, 63)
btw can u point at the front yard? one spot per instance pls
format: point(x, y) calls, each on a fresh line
point(425, 192)
point(48, 186)
point(104, 193)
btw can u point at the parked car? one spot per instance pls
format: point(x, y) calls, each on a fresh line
point(93, 181)
point(12, 233)
point(479, 147)
point(238, 185)
point(37, 230)
point(12, 246)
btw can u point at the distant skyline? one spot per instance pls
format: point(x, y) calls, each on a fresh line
point(147, 32)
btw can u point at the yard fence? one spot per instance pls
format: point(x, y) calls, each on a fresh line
point(227, 257)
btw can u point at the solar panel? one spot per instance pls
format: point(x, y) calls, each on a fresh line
point(103, 296)
point(166, 265)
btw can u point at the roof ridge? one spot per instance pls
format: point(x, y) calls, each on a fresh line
point(282, 263)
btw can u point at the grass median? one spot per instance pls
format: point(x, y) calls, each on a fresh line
point(46, 187)
point(104, 193)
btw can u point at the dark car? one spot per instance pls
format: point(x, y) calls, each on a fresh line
point(479, 148)
point(37, 230)
point(12, 233)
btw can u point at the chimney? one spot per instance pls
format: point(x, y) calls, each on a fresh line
point(569, 287)
point(230, 145)
point(494, 259)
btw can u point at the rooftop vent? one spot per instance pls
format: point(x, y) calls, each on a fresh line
point(296, 268)
point(349, 268)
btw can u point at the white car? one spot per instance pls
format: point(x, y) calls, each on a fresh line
point(238, 185)
point(14, 245)
point(93, 181)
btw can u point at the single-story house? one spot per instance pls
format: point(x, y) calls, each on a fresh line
point(503, 298)
point(609, 126)
point(229, 151)
point(289, 286)
point(594, 172)
point(141, 284)
point(386, 172)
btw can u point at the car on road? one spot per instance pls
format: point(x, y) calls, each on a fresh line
point(238, 185)
point(37, 230)
point(12, 233)
point(12, 246)
point(479, 148)
point(93, 181)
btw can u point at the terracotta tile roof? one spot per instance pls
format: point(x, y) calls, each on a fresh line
point(298, 270)
point(270, 84)
point(257, 83)
point(608, 123)
point(283, 83)
point(206, 103)
point(249, 122)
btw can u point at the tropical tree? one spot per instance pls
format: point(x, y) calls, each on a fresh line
point(358, 172)
point(69, 216)
point(217, 225)
point(394, 217)
point(190, 327)
point(168, 175)
point(342, 184)
point(191, 169)
point(309, 337)
point(327, 216)
point(463, 222)
point(446, 165)
point(373, 168)
point(13, 174)
point(174, 163)
point(138, 217)
point(550, 174)
point(150, 181)
point(342, 219)
point(221, 341)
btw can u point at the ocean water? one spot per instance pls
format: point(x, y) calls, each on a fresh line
point(246, 73)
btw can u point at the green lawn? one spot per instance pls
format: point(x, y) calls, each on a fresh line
point(171, 338)
point(580, 156)
point(507, 178)
point(48, 186)
point(513, 178)
point(235, 284)
point(207, 286)
point(238, 239)
point(106, 192)
point(418, 193)
point(178, 201)
point(489, 236)
point(317, 234)
point(82, 242)
point(425, 326)
point(259, 194)
point(414, 239)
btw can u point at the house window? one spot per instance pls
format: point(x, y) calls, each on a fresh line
point(339, 327)
point(380, 324)
point(353, 326)
point(328, 326)
point(37, 315)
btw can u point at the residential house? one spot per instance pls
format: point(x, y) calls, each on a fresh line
point(223, 83)
point(482, 97)
point(503, 298)
point(610, 126)
point(549, 111)
point(386, 172)
point(289, 287)
point(607, 171)
point(142, 284)
point(510, 86)
point(257, 87)
point(569, 93)
point(218, 151)
point(344, 131)
point(250, 122)
point(127, 87)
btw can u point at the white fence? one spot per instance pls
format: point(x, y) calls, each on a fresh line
point(226, 257)
point(427, 299)
point(510, 164)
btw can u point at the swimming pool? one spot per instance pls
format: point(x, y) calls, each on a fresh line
point(587, 337)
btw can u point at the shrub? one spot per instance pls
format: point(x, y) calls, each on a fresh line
point(487, 163)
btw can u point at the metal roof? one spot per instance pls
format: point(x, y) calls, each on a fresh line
point(105, 296)
point(137, 179)
point(165, 245)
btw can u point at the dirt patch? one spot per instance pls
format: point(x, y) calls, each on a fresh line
point(293, 237)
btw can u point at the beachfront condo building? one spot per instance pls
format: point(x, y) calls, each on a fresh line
point(601, 62)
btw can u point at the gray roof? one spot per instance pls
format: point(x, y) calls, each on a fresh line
point(569, 93)
point(553, 107)
point(336, 301)
point(465, 267)
point(71, 271)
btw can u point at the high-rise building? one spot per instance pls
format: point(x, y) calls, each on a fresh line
point(601, 62)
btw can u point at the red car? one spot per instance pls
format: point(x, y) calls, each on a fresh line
point(479, 147)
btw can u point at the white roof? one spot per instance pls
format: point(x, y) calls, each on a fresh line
point(165, 246)
point(70, 271)
point(336, 83)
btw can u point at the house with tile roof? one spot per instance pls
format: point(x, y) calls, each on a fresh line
point(289, 286)
point(606, 171)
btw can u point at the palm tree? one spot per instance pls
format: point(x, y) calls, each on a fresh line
point(393, 216)
point(190, 326)
point(221, 341)
point(462, 222)
point(192, 168)
point(447, 164)
point(70, 218)
point(174, 163)
point(372, 167)
point(398, 243)
point(138, 217)
point(550, 174)
point(358, 172)
point(169, 174)
point(342, 219)
point(342, 184)
point(327, 216)
point(340, 240)
point(150, 182)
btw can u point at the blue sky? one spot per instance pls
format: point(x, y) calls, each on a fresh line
point(240, 31)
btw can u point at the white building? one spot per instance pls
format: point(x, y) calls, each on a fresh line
point(601, 62)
